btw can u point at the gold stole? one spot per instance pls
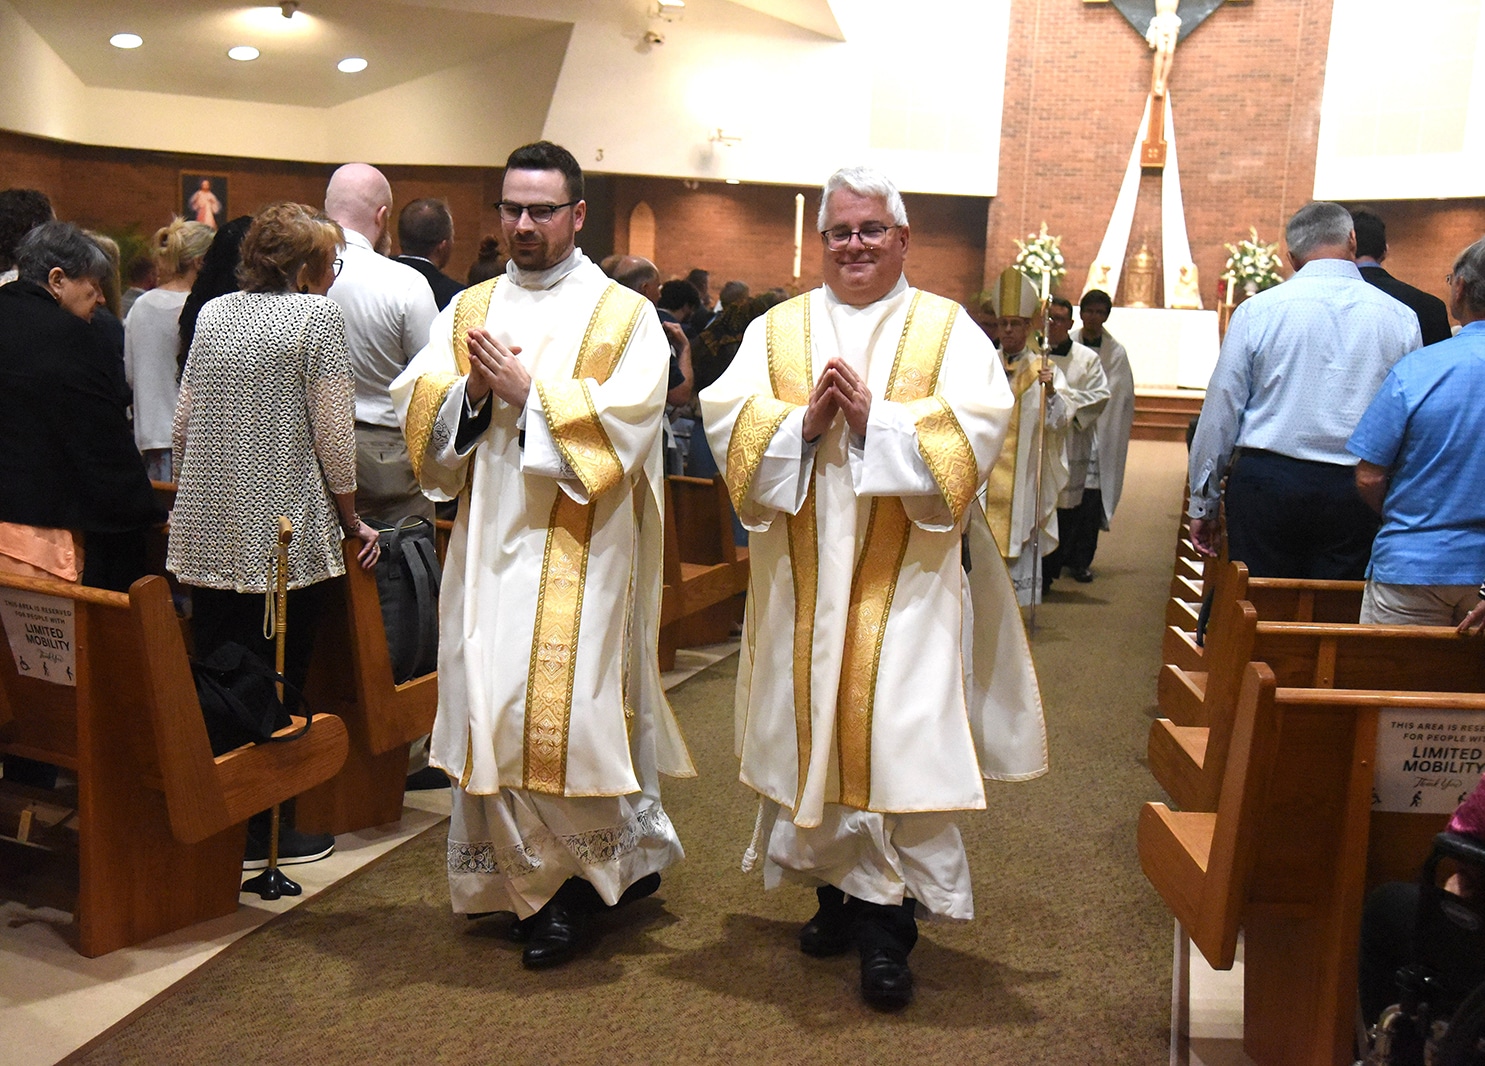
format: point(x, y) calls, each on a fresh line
point(430, 390)
point(584, 444)
point(913, 378)
point(1000, 492)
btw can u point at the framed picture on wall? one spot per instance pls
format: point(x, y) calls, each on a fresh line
point(203, 198)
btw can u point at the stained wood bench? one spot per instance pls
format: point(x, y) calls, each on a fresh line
point(351, 675)
point(705, 572)
point(1276, 599)
point(1189, 743)
point(161, 821)
point(1287, 856)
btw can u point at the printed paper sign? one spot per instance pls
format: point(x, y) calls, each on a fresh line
point(39, 629)
point(1427, 763)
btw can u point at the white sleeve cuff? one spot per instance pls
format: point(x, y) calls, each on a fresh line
point(887, 462)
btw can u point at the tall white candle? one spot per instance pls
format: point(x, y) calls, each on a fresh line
point(1046, 287)
point(798, 232)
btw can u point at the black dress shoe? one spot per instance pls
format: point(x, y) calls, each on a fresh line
point(555, 935)
point(886, 981)
point(885, 935)
point(647, 885)
point(1083, 577)
point(830, 931)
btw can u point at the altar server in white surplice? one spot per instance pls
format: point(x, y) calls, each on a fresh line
point(1022, 511)
point(884, 670)
point(1087, 395)
point(537, 404)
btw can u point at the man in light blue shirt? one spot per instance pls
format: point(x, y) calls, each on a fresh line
point(1421, 466)
point(1299, 365)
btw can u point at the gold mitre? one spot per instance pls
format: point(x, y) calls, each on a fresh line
point(1017, 295)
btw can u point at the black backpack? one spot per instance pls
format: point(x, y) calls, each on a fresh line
point(407, 580)
point(239, 701)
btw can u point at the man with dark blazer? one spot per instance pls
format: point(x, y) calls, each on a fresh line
point(425, 230)
point(1371, 249)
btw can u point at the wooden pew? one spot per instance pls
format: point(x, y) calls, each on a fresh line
point(161, 822)
point(1277, 599)
point(1188, 746)
point(351, 675)
point(705, 572)
point(1288, 855)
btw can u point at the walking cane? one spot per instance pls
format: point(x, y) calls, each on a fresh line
point(272, 883)
point(1041, 444)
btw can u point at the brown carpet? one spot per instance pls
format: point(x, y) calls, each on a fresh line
point(1068, 960)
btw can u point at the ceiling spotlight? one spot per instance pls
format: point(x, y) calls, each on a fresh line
point(243, 53)
point(670, 10)
point(288, 7)
point(126, 40)
point(733, 181)
point(351, 65)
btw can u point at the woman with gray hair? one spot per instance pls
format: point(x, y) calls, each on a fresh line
point(74, 498)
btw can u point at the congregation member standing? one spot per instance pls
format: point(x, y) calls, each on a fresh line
point(152, 339)
point(855, 428)
point(1021, 509)
point(264, 428)
point(1298, 366)
point(1087, 395)
point(21, 210)
point(1422, 467)
point(388, 308)
point(425, 231)
point(1105, 479)
point(1371, 249)
point(538, 403)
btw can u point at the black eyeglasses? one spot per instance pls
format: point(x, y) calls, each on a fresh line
point(541, 214)
point(872, 235)
point(335, 266)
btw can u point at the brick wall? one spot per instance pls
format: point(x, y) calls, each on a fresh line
point(1246, 90)
point(746, 232)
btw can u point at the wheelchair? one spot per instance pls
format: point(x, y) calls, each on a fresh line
point(1439, 1019)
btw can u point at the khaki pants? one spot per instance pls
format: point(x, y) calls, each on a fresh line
point(386, 491)
point(1417, 605)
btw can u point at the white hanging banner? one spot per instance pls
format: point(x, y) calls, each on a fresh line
point(1181, 290)
point(1105, 271)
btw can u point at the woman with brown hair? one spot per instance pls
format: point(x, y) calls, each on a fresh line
point(264, 426)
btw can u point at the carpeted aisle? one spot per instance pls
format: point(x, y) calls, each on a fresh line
point(1068, 961)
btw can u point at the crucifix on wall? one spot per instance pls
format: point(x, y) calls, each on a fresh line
point(1163, 24)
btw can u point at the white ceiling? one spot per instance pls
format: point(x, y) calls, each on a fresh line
point(186, 42)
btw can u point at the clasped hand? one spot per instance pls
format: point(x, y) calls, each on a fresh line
point(839, 390)
point(493, 367)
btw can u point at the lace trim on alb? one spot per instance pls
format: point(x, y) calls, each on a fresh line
point(592, 848)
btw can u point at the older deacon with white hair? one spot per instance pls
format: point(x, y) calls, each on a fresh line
point(854, 429)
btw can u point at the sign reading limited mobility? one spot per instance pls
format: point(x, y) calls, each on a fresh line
point(1427, 763)
point(40, 632)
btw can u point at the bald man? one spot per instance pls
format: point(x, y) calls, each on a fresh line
point(388, 308)
point(638, 273)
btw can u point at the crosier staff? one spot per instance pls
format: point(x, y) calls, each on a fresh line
point(1041, 444)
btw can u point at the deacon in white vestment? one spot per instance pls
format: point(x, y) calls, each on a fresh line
point(879, 682)
point(537, 404)
point(1105, 479)
point(1087, 395)
point(1021, 510)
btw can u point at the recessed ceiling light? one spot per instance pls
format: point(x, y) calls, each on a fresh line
point(243, 53)
point(351, 65)
point(126, 40)
point(734, 181)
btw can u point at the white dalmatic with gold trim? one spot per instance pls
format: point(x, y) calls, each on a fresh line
point(551, 717)
point(878, 683)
